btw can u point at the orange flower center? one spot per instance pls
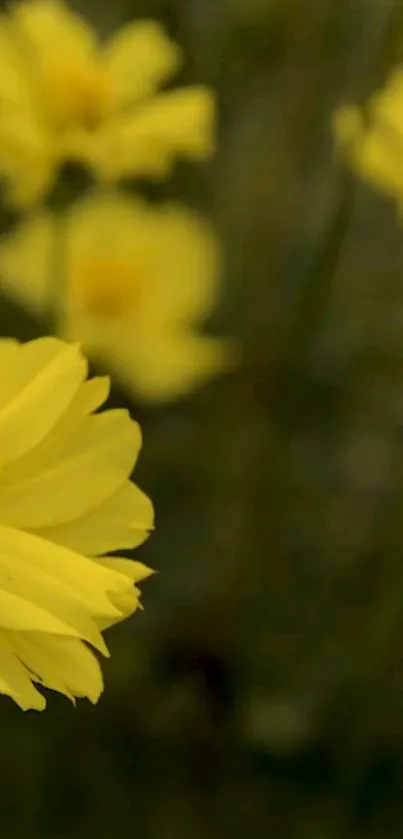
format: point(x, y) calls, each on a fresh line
point(107, 287)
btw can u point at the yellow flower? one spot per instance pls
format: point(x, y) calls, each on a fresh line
point(373, 140)
point(65, 95)
point(136, 282)
point(65, 499)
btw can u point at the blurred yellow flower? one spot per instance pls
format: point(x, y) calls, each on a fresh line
point(65, 499)
point(373, 139)
point(65, 95)
point(137, 281)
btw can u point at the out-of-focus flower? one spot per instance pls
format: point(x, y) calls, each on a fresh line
point(65, 95)
point(373, 139)
point(136, 282)
point(65, 500)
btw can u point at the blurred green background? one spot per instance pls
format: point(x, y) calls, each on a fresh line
point(261, 690)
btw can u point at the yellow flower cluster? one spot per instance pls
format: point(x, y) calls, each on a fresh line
point(136, 282)
point(133, 282)
point(65, 500)
point(64, 95)
point(373, 139)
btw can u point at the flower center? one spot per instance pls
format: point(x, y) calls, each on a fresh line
point(107, 287)
point(79, 95)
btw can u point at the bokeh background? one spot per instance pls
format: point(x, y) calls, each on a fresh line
point(261, 690)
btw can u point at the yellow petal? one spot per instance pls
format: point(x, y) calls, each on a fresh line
point(28, 153)
point(386, 105)
point(15, 680)
point(136, 571)
point(21, 614)
point(16, 92)
point(9, 352)
point(91, 469)
point(44, 382)
point(65, 57)
point(55, 596)
point(28, 159)
point(373, 148)
point(129, 601)
point(52, 32)
point(27, 274)
point(138, 59)
point(123, 521)
point(88, 397)
point(186, 267)
point(104, 224)
point(380, 162)
point(147, 141)
point(84, 576)
point(169, 367)
point(62, 664)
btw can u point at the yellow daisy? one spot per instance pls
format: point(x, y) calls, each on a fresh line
point(65, 500)
point(373, 140)
point(66, 95)
point(135, 283)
